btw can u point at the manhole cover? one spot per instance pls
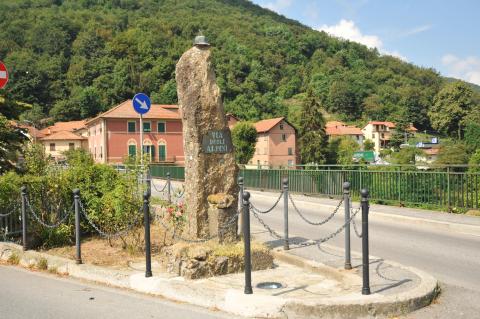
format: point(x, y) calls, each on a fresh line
point(269, 285)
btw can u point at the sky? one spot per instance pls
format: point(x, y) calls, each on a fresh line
point(441, 34)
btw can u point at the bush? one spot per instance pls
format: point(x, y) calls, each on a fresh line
point(111, 199)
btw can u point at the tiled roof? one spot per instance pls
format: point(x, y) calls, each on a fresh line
point(64, 126)
point(125, 110)
point(63, 136)
point(335, 123)
point(392, 125)
point(343, 130)
point(266, 125)
point(432, 151)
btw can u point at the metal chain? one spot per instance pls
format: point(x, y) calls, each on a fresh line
point(155, 187)
point(359, 235)
point(268, 210)
point(108, 235)
point(16, 207)
point(335, 233)
point(41, 222)
point(272, 232)
point(326, 220)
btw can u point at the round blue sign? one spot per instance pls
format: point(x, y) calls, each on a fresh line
point(141, 103)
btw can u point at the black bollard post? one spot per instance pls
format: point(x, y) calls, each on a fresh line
point(169, 188)
point(346, 204)
point(285, 214)
point(23, 191)
point(240, 201)
point(365, 253)
point(246, 240)
point(76, 202)
point(149, 182)
point(148, 248)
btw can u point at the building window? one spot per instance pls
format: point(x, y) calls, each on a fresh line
point(290, 151)
point(162, 152)
point(101, 151)
point(147, 127)
point(284, 137)
point(132, 150)
point(52, 147)
point(131, 127)
point(290, 163)
point(71, 146)
point(265, 138)
point(281, 126)
point(161, 127)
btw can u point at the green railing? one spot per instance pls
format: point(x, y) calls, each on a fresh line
point(438, 188)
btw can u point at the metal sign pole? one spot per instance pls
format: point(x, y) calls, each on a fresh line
point(141, 141)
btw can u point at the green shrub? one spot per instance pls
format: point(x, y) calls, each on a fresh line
point(42, 264)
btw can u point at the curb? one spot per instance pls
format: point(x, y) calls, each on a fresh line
point(443, 225)
point(234, 301)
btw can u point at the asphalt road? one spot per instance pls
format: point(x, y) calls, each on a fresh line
point(25, 294)
point(453, 258)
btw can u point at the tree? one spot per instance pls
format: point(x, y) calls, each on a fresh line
point(450, 106)
point(453, 153)
point(11, 141)
point(406, 155)
point(244, 138)
point(472, 136)
point(346, 149)
point(399, 133)
point(368, 145)
point(313, 139)
point(474, 162)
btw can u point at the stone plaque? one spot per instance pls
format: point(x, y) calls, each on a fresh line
point(217, 142)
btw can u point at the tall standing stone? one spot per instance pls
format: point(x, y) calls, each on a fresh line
point(210, 167)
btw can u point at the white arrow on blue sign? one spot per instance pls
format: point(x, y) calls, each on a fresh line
point(141, 103)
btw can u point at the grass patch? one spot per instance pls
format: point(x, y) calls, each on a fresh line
point(14, 259)
point(42, 264)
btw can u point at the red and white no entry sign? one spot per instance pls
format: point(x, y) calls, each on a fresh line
point(3, 75)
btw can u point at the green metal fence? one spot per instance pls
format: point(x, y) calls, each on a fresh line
point(443, 188)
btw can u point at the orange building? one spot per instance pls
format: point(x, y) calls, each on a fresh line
point(276, 144)
point(62, 137)
point(115, 134)
point(339, 129)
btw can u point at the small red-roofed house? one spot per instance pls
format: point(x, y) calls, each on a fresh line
point(335, 129)
point(63, 136)
point(276, 144)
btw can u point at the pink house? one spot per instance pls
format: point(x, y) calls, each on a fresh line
point(276, 144)
point(115, 134)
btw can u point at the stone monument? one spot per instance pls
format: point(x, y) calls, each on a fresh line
point(210, 170)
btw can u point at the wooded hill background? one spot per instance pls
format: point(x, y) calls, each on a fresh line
point(72, 59)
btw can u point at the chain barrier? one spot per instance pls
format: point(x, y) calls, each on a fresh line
point(41, 222)
point(222, 230)
point(155, 187)
point(110, 235)
point(359, 235)
point(16, 208)
point(272, 232)
point(268, 210)
point(326, 220)
point(338, 231)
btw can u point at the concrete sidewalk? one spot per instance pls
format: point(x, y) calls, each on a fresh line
point(311, 289)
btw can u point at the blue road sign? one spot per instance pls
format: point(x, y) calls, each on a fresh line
point(141, 103)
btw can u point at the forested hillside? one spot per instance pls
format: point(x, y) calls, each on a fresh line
point(71, 59)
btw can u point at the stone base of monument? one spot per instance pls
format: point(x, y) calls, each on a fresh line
point(222, 219)
point(194, 261)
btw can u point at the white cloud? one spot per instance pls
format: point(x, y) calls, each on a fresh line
point(347, 29)
point(467, 69)
point(278, 5)
point(417, 30)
